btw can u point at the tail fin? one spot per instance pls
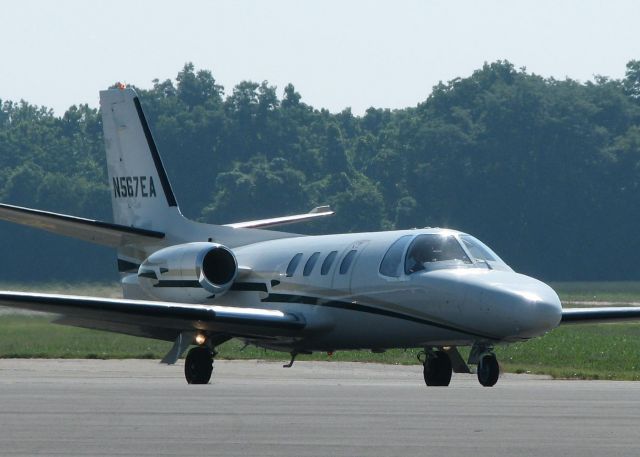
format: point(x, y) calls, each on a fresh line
point(141, 194)
point(140, 191)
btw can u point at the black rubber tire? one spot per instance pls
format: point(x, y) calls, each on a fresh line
point(437, 369)
point(198, 365)
point(488, 370)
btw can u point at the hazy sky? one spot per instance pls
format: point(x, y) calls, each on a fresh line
point(337, 53)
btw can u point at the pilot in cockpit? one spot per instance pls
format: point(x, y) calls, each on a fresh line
point(422, 251)
point(433, 248)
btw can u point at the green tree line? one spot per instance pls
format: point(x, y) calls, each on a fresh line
point(545, 171)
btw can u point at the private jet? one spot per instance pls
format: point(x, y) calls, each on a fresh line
point(200, 285)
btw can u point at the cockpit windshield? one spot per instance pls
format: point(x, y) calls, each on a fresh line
point(477, 249)
point(429, 249)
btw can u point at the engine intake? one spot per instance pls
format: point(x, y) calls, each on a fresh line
point(196, 270)
point(218, 268)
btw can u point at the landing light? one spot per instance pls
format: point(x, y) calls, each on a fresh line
point(200, 339)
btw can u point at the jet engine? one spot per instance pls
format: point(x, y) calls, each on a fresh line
point(188, 272)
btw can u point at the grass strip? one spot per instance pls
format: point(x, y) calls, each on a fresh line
point(606, 351)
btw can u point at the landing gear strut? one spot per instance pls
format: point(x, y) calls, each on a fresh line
point(437, 369)
point(198, 365)
point(488, 369)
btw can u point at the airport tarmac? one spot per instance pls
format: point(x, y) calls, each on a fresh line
point(254, 408)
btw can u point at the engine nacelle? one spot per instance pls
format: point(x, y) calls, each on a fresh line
point(195, 271)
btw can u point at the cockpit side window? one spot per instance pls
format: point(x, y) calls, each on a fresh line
point(432, 248)
point(477, 249)
point(392, 262)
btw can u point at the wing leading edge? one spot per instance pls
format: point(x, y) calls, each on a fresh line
point(156, 319)
point(600, 315)
point(90, 230)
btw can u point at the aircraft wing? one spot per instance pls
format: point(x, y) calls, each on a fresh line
point(156, 319)
point(596, 315)
point(319, 211)
point(90, 230)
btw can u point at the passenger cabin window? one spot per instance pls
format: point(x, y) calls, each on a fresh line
point(293, 264)
point(430, 249)
point(477, 249)
point(346, 262)
point(308, 267)
point(392, 262)
point(328, 261)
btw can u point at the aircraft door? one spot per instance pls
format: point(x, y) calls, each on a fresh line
point(345, 266)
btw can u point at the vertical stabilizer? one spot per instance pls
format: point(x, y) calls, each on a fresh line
point(141, 194)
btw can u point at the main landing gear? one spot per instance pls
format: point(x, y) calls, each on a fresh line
point(488, 370)
point(198, 365)
point(440, 364)
point(437, 369)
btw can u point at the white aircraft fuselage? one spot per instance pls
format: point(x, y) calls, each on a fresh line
point(446, 303)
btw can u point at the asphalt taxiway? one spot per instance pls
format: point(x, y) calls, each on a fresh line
point(142, 408)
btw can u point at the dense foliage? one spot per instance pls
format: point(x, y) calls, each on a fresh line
point(545, 171)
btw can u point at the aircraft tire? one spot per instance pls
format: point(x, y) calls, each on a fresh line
point(437, 369)
point(198, 365)
point(488, 370)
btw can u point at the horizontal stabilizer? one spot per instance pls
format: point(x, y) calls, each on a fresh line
point(600, 315)
point(90, 230)
point(155, 318)
point(319, 211)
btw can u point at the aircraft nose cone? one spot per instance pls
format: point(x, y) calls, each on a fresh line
point(513, 306)
point(541, 309)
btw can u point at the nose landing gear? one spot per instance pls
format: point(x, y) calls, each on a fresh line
point(488, 369)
